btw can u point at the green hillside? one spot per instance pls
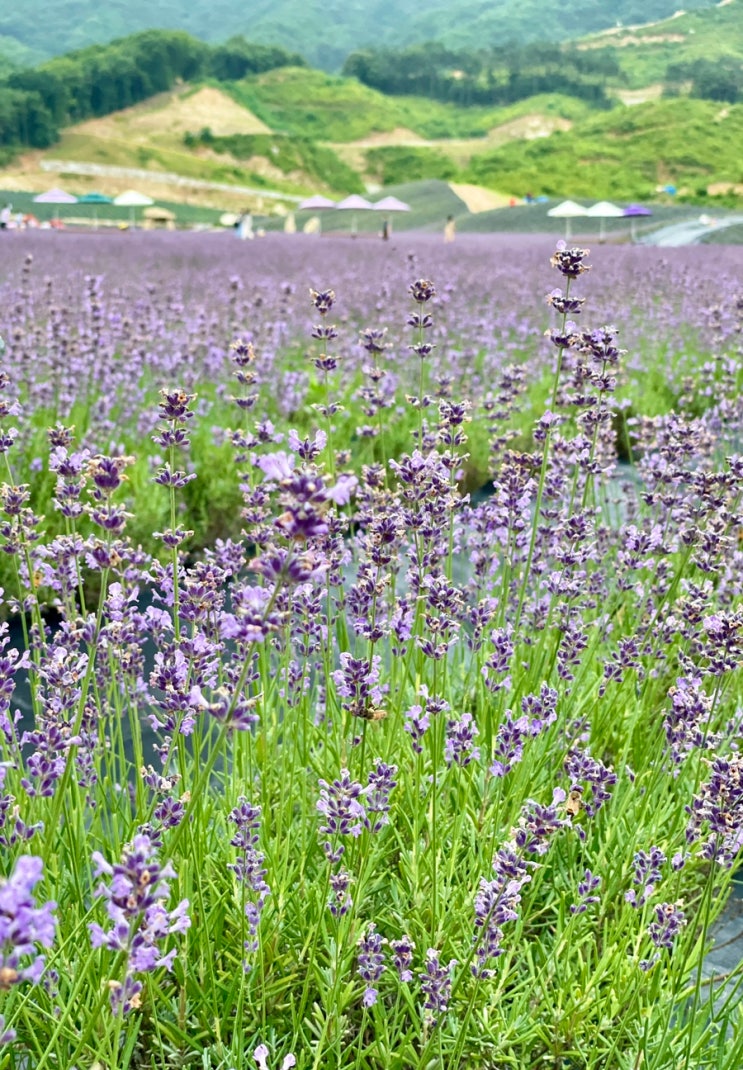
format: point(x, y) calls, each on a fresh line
point(648, 52)
point(324, 31)
point(289, 155)
point(310, 103)
point(625, 153)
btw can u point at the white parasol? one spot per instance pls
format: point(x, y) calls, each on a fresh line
point(130, 198)
point(567, 210)
point(604, 210)
point(354, 204)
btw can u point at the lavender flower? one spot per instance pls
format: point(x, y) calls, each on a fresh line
point(261, 1057)
point(538, 824)
point(323, 300)
point(583, 769)
point(377, 795)
point(686, 722)
point(402, 957)
point(459, 748)
point(668, 922)
point(371, 962)
point(357, 683)
point(135, 903)
point(718, 809)
point(495, 904)
point(647, 874)
point(417, 724)
point(509, 744)
point(436, 983)
point(422, 290)
point(340, 901)
point(570, 262)
point(248, 868)
point(344, 813)
point(586, 887)
point(23, 925)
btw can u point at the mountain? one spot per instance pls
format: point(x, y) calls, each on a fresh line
point(324, 31)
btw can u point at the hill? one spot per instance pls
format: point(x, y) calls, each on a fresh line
point(250, 134)
point(647, 53)
point(324, 31)
point(626, 154)
point(161, 108)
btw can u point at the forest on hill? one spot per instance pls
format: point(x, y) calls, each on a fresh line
point(36, 103)
point(37, 28)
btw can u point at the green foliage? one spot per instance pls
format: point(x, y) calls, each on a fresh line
point(237, 58)
point(325, 31)
point(720, 79)
point(24, 120)
point(98, 80)
point(289, 154)
point(486, 76)
point(310, 103)
point(394, 164)
point(714, 33)
point(13, 55)
point(624, 154)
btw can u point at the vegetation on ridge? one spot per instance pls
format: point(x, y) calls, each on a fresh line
point(56, 26)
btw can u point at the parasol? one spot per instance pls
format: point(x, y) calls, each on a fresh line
point(604, 210)
point(567, 210)
point(55, 196)
point(315, 203)
point(130, 198)
point(391, 204)
point(387, 205)
point(95, 199)
point(634, 212)
point(354, 204)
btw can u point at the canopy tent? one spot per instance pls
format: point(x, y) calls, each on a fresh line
point(354, 204)
point(635, 212)
point(567, 210)
point(95, 199)
point(604, 210)
point(130, 198)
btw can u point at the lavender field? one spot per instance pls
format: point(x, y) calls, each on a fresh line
point(370, 683)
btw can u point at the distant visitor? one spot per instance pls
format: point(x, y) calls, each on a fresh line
point(244, 226)
point(450, 229)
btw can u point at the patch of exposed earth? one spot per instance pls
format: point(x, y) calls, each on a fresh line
point(460, 150)
point(639, 96)
point(175, 114)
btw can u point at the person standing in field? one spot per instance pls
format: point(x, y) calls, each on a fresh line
point(245, 226)
point(450, 229)
point(5, 216)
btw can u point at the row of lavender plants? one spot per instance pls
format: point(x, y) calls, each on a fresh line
point(95, 328)
point(409, 779)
